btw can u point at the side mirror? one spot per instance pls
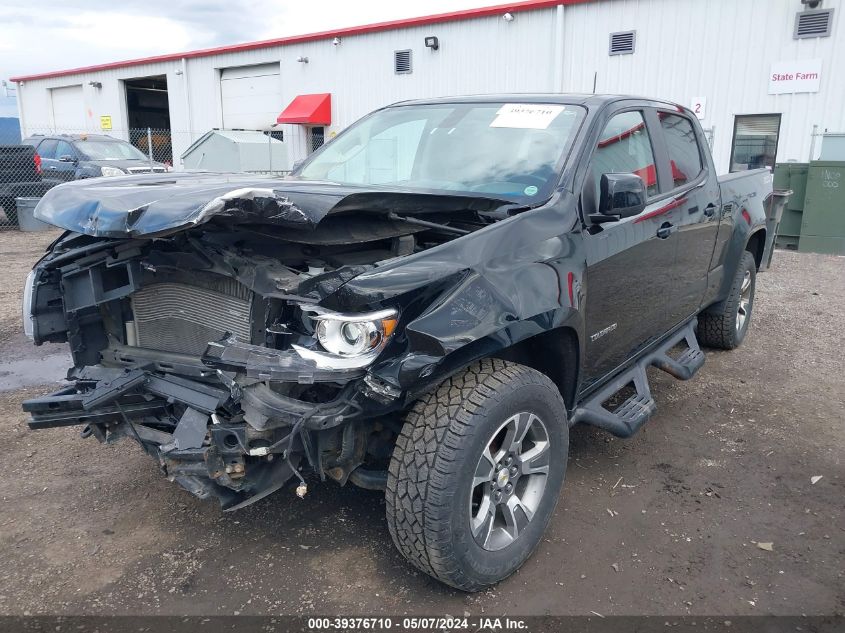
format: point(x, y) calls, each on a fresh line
point(67, 158)
point(621, 196)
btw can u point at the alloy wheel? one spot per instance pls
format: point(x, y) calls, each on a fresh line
point(744, 309)
point(509, 481)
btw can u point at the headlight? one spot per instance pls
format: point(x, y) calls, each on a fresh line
point(350, 340)
point(28, 328)
point(112, 171)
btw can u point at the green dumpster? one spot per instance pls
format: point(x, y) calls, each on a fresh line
point(791, 176)
point(823, 219)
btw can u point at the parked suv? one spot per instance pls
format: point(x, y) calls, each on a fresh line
point(67, 157)
point(425, 307)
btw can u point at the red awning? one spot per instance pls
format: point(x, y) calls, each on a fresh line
point(310, 109)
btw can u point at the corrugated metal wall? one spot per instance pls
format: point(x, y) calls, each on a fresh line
point(718, 49)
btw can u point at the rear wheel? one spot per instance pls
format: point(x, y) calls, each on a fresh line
point(476, 473)
point(726, 324)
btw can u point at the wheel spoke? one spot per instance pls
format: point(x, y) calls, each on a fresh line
point(484, 470)
point(746, 284)
point(536, 460)
point(517, 430)
point(513, 512)
point(482, 523)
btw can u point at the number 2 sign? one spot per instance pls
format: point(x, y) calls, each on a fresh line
point(699, 107)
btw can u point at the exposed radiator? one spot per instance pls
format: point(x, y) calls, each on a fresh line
point(183, 318)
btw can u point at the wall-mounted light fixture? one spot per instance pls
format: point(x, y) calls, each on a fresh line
point(508, 17)
point(302, 59)
point(432, 42)
point(336, 41)
point(95, 84)
point(178, 71)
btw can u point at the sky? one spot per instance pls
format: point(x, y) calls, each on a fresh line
point(40, 36)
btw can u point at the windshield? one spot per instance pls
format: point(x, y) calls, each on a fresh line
point(110, 150)
point(510, 150)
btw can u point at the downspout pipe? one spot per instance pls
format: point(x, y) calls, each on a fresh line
point(557, 67)
point(186, 86)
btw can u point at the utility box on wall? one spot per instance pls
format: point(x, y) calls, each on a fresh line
point(823, 220)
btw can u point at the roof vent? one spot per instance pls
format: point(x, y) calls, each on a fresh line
point(813, 23)
point(402, 62)
point(622, 43)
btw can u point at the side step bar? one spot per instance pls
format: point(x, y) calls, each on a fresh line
point(628, 417)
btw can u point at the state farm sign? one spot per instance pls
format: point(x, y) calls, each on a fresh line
point(795, 76)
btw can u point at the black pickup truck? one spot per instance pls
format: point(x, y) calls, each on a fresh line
point(425, 306)
point(20, 177)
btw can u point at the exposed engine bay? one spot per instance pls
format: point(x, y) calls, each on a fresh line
point(224, 343)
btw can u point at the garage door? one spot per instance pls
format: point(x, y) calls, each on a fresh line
point(68, 109)
point(251, 96)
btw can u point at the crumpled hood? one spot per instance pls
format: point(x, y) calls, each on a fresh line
point(160, 204)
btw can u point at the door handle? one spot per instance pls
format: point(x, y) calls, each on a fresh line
point(709, 210)
point(665, 230)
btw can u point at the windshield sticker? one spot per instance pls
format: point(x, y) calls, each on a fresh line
point(531, 116)
point(530, 190)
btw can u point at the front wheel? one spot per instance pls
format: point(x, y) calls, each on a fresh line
point(476, 473)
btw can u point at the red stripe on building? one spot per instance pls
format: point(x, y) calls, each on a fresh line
point(453, 16)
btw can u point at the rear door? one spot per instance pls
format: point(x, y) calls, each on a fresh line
point(49, 165)
point(695, 191)
point(629, 262)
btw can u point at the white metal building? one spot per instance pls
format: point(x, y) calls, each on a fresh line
point(782, 61)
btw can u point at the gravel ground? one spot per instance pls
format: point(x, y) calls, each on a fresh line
point(18, 252)
point(669, 522)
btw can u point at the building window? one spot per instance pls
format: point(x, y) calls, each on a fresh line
point(317, 136)
point(755, 141)
point(402, 62)
point(622, 43)
point(815, 23)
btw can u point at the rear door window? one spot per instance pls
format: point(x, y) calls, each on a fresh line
point(682, 145)
point(47, 148)
point(625, 147)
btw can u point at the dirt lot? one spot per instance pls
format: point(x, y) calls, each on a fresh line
point(666, 523)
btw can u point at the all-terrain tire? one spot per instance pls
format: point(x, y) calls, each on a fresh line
point(719, 326)
point(431, 474)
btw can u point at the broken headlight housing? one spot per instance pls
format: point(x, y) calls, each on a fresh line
point(26, 305)
point(349, 340)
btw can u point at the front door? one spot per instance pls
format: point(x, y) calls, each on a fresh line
point(629, 262)
point(65, 162)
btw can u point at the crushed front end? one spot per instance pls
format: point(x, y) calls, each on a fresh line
point(228, 349)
